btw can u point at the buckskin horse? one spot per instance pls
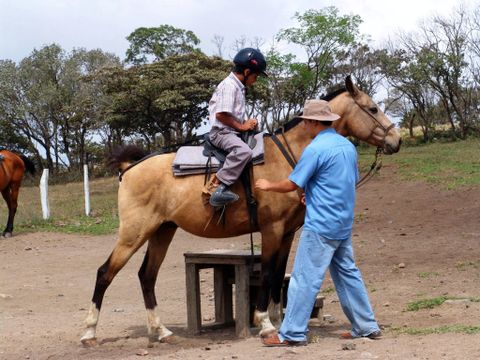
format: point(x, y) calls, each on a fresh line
point(152, 204)
point(12, 169)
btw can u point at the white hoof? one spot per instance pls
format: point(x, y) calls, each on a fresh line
point(262, 320)
point(92, 342)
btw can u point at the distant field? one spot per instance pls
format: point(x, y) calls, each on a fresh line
point(449, 165)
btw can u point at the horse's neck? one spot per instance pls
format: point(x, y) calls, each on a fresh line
point(338, 106)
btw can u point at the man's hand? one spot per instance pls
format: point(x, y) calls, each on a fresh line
point(281, 186)
point(262, 184)
point(250, 124)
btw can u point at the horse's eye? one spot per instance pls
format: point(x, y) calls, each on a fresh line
point(373, 110)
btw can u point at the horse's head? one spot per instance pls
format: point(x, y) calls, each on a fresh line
point(363, 119)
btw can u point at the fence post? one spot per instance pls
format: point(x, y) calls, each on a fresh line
point(86, 188)
point(44, 194)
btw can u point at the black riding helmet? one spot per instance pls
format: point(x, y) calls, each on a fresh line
point(253, 59)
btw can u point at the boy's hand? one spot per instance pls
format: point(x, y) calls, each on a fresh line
point(250, 124)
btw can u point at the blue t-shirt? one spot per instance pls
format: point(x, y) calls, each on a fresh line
point(327, 172)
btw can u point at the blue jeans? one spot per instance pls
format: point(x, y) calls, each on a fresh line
point(315, 254)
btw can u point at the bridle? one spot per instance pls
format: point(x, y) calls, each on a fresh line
point(378, 124)
point(376, 165)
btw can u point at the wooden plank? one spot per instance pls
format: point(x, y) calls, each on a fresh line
point(229, 253)
point(223, 294)
point(194, 316)
point(242, 301)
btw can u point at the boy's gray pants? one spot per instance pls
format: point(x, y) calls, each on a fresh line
point(239, 154)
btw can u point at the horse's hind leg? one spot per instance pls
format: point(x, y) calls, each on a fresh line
point(128, 243)
point(10, 194)
point(157, 248)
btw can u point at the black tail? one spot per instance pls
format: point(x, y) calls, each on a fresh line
point(123, 155)
point(29, 165)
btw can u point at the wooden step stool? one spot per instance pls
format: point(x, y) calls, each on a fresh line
point(229, 267)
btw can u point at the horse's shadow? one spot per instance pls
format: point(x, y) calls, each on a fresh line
point(216, 335)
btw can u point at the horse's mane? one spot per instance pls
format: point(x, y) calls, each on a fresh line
point(296, 119)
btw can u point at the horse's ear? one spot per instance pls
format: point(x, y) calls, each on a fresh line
point(351, 88)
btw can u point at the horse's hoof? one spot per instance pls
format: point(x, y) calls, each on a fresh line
point(170, 339)
point(7, 234)
point(89, 342)
point(267, 332)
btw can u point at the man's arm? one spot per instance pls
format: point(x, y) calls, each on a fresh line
point(228, 119)
point(282, 186)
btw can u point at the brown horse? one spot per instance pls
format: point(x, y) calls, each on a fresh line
point(12, 169)
point(152, 204)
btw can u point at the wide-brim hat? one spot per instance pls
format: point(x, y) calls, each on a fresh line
point(318, 110)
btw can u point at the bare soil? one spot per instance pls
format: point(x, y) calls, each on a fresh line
point(412, 240)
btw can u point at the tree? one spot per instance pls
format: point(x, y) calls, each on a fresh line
point(324, 35)
point(81, 101)
point(163, 102)
point(158, 43)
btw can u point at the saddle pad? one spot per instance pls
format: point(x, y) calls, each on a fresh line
point(190, 160)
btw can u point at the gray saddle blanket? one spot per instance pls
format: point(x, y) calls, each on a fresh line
point(190, 160)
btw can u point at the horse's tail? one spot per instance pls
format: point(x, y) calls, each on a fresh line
point(29, 165)
point(122, 156)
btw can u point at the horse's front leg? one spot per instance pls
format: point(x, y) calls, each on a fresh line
point(275, 248)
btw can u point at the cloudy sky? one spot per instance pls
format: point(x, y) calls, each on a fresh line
point(29, 24)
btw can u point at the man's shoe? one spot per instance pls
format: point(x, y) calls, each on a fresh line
point(374, 335)
point(222, 196)
point(274, 341)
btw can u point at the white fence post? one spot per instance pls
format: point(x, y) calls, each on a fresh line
point(86, 188)
point(44, 194)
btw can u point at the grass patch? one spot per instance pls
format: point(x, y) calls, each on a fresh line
point(328, 290)
point(428, 274)
point(67, 209)
point(464, 265)
point(450, 165)
point(458, 329)
point(434, 302)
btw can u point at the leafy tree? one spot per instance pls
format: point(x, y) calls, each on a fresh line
point(81, 101)
point(159, 43)
point(324, 35)
point(163, 102)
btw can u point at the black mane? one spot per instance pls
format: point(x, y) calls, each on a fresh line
point(295, 120)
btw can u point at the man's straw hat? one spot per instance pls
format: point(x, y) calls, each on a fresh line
point(318, 110)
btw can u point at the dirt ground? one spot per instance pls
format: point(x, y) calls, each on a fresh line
point(413, 241)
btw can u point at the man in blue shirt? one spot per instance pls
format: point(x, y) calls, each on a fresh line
point(327, 172)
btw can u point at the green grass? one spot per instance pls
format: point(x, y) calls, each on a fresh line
point(67, 209)
point(428, 274)
point(446, 329)
point(328, 290)
point(434, 302)
point(450, 165)
point(464, 265)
